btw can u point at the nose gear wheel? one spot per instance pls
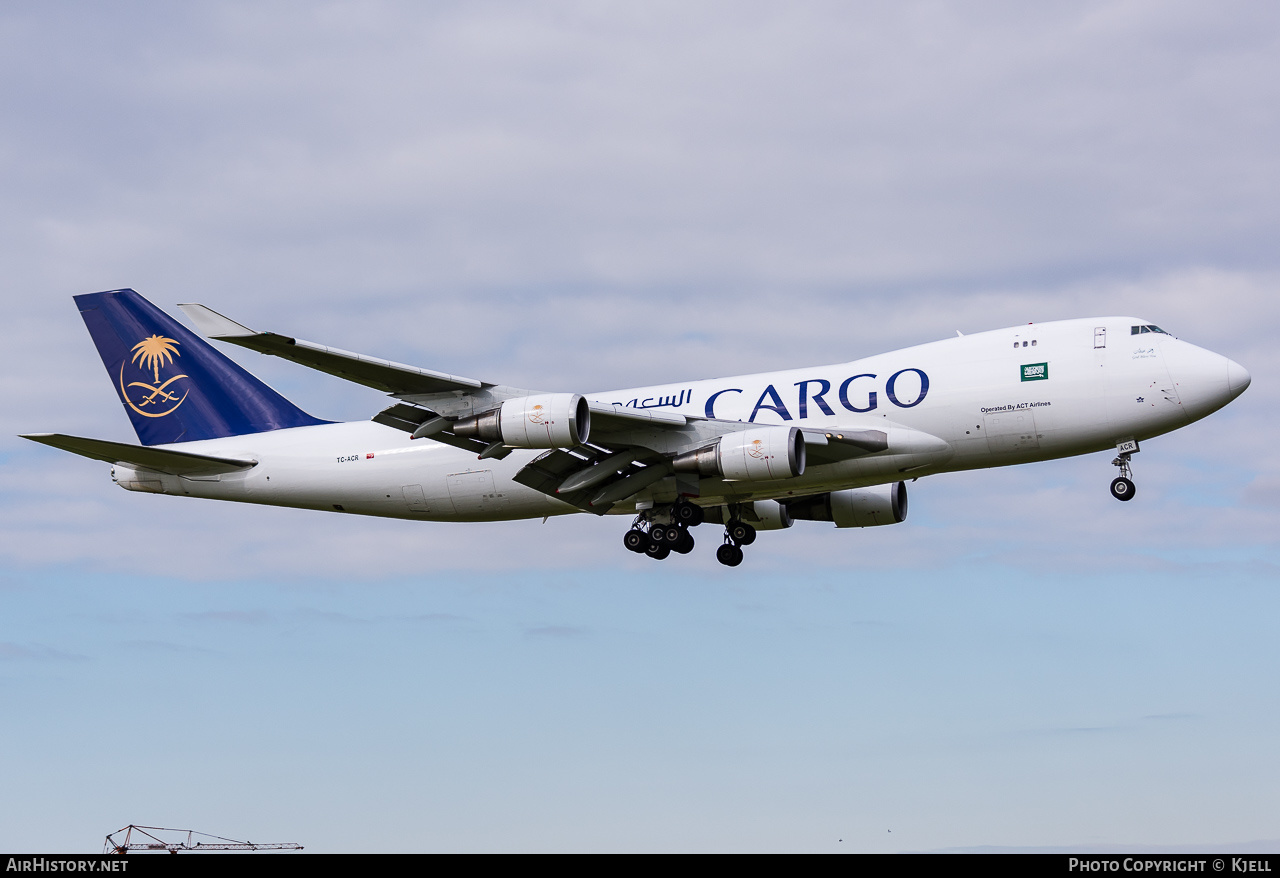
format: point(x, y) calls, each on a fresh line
point(1122, 488)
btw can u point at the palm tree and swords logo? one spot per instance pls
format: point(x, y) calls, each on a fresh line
point(153, 400)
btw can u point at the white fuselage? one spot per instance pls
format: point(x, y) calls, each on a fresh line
point(1010, 396)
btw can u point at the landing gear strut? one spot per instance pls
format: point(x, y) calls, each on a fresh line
point(1122, 488)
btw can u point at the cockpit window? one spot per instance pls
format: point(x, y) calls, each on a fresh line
point(1135, 330)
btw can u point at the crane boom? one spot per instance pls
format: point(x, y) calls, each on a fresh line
point(147, 840)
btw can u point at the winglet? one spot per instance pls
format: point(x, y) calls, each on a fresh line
point(211, 324)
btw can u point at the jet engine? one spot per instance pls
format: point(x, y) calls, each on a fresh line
point(763, 515)
point(757, 454)
point(855, 507)
point(550, 420)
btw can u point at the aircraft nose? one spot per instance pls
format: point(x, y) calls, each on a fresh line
point(1238, 378)
point(1206, 381)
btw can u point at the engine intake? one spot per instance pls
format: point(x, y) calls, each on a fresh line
point(758, 454)
point(550, 420)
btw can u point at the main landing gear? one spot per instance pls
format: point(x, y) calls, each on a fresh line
point(659, 532)
point(651, 535)
point(1122, 488)
point(736, 535)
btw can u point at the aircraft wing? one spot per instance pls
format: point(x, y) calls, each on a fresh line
point(384, 375)
point(176, 463)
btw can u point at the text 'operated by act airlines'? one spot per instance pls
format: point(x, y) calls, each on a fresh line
point(752, 452)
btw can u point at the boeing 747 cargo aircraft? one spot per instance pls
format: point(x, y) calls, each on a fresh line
point(753, 452)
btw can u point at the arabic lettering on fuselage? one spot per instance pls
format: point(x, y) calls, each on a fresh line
point(854, 394)
point(655, 402)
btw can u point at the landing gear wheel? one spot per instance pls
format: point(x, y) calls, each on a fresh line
point(687, 514)
point(685, 544)
point(1122, 489)
point(657, 551)
point(740, 532)
point(729, 555)
point(670, 535)
point(635, 540)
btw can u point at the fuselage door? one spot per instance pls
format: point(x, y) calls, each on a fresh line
point(1099, 337)
point(415, 499)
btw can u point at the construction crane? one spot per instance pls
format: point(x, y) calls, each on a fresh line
point(137, 839)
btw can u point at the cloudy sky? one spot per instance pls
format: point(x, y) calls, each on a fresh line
point(582, 196)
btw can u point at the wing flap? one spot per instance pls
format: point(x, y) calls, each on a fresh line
point(175, 463)
point(546, 472)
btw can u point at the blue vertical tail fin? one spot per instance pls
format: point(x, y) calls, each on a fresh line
point(174, 385)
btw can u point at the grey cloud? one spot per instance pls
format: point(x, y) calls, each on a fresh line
point(164, 646)
point(557, 632)
point(1116, 726)
point(235, 617)
point(470, 148)
point(440, 618)
point(37, 652)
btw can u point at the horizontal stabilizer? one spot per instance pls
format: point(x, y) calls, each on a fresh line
point(176, 463)
point(384, 375)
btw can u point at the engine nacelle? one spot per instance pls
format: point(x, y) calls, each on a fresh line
point(855, 507)
point(550, 420)
point(760, 514)
point(771, 515)
point(757, 454)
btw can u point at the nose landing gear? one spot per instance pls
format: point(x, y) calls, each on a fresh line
point(1122, 488)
